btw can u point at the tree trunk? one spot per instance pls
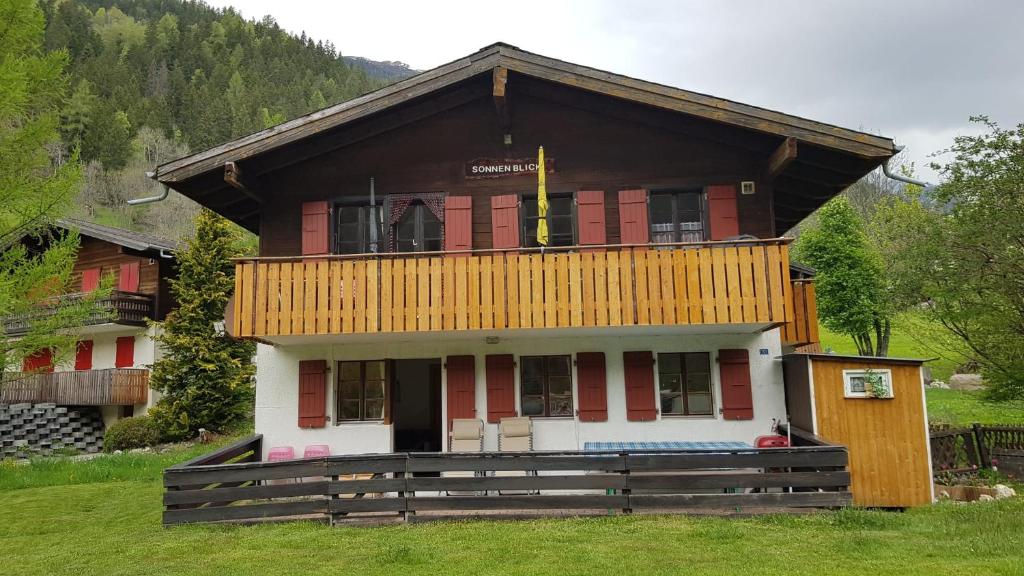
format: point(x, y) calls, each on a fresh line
point(883, 330)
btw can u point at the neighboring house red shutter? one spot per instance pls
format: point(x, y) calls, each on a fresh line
point(312, 393)
point(90, 279)
point(461, 388)
point(125, 356)
point(633, 228)
point(128, 281)
point(639, 371)
point(590, 215)
point(458, 223)
point(315, 229)
point(734, 367)
point(501, 396)
point(593, 388)
point(39, 361)
point(83, 355)
point(722, 213)
point(505, 221)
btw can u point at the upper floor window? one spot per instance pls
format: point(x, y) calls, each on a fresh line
point(684, 382)
point(677, 216)
point(561, 221)
point(418, 230)
point(545, 385)
point(357, 229)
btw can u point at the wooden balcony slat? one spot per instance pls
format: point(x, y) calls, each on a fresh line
point(596, 287)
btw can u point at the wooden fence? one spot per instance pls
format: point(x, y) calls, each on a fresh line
point(411, 486)
point(959, 450)
point(802, 330)
point(130, 308)
point(712, 283)
point(111, 386)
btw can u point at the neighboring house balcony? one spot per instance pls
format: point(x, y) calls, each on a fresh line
point(127, 308)
point(111, 386)
point(741, 286)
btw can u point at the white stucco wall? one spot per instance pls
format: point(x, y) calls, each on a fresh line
point(277, 390)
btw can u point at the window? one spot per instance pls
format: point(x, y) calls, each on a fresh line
point(418, 230)
point(561, 221)
point(684, 382)
point(361, 390)
point(677, 216)
point(545, 385)
point(357, 229)
point(867, 383)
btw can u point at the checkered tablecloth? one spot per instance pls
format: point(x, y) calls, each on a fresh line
point(674, 445)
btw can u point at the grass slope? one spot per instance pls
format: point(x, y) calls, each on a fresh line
point(114, 528)
point(960, 408)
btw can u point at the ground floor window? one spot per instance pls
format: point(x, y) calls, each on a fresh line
point(684, 381)
point(361, 393)
point(545, 385)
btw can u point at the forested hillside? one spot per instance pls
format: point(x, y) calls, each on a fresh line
point(151, 80)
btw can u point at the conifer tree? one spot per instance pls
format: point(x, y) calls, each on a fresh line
point(205, 376)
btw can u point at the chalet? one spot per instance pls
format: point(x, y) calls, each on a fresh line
point(109, 372)
point(400, 285)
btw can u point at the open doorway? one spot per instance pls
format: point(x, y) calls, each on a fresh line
point(416, 405)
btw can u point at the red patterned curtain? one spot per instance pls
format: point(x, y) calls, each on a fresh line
point(398, 203)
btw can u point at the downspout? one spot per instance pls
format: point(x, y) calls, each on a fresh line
point(900, 177)
point(162, 196)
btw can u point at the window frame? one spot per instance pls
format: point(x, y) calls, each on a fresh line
point(363, 204)
point(849, 375)
point(683, 392)
point(545, 386)
point(338, 399)
point(573, 218)
point(674, 193)
point(418, 208)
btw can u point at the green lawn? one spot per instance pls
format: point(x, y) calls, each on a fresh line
point(960, 408)
point(113, 527)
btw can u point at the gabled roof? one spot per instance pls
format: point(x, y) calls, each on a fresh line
point(127, 238)
point(198, 175)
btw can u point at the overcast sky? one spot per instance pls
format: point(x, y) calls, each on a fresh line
point(911, 70)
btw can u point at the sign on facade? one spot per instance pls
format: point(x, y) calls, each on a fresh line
point(496, 168)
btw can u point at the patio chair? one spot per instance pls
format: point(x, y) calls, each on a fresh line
point(280, 454)
point(515, 435)
point(467, 435)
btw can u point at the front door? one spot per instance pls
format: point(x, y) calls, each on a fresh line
point(416, 405)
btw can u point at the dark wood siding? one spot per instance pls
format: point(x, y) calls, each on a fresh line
point(798, 392)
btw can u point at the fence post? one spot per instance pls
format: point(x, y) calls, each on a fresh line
point(983, 455)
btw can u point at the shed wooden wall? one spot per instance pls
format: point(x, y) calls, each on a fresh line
point(887, 439)
point(591, 152)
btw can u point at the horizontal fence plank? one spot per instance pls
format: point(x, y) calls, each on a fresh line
point(245, 445)
point(764, 459)
point(242, 472)
point(734, 501)
point(695, 481)
point(220, 513)
point(350, 505)
point(515, 461)
point(368, 466)
point(482, 483)
point(375, 485)
point(518, 502)
point(234, 494)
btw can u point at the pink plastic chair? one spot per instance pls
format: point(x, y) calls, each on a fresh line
point(316, 451)
point(279, 453)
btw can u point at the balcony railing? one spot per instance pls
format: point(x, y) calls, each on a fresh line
point(744, 282)
point(129, 308)
point(803, 329)
point(112, 386)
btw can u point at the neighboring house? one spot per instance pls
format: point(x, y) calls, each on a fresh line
point(110, 368)
point(399, 284)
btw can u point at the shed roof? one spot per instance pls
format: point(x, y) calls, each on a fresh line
point(130, 239)
point(836, 157)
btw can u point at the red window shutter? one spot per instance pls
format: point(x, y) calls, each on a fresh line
point(83, 355)
point(458, 223)
point(315, 229)
point(593, 386)
point(505, 221)
point(461, 388)
point(125, 356)
point(633, 227)
point(128, 281)
point(639, 371)
point(90, 279)
point(312, 393)
point(39, 361)
point(722, 212)
point(590, 215)
point(501, 396)
point(734, 367)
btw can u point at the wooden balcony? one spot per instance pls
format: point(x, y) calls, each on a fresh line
point(112, 386)
point(129, 308)
point(803, 329)
point(725, 283)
